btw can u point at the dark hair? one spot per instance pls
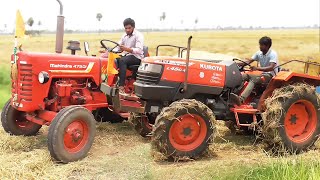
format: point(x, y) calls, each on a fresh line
point(129, 21)
point(265, 40)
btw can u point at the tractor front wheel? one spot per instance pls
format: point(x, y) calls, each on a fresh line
point(71, 134)
point(291, 122)
point(14, 122)
point(185, 129)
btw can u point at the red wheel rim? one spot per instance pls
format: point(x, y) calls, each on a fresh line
point(300, 121)
point(76, 136)
point(188, 132)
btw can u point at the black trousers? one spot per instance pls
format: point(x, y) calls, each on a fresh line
point(123, 64)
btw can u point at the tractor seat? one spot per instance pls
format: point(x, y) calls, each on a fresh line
point(134, 68)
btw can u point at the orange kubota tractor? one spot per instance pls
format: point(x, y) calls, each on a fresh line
point(187, 96)
point(62, 91)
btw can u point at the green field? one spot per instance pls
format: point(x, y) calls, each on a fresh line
point(119, 153)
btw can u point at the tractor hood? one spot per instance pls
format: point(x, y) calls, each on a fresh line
point(62, 65)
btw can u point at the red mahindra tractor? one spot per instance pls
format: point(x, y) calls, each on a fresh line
point(187, 96)
point(62, 91)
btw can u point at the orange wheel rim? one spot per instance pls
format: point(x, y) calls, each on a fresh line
point(300, 121)
point(76, 136)
point(188, 132)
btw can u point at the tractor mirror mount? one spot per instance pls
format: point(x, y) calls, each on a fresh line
point(86, 47)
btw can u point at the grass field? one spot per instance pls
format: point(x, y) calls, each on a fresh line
point(118, 153)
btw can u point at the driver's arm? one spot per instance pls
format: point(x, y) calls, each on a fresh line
point(120, 42)
point(138, 48)
point(272, 63)
point(250, 60)
point(271, 66)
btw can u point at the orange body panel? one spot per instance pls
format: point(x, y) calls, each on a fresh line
point(286, 76)
point(200, 72)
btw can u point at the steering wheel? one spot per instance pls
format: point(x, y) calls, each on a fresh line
point(241, 68)
point(110, 49)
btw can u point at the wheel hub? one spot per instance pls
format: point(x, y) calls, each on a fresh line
point(187, 131)
point(76, 135)
point(293, 119)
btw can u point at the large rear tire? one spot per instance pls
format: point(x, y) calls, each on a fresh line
point(71, 134)
point(14, 122)
point(185, 129)
point(291, 122)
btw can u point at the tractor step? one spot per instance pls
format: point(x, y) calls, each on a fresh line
point(130, 97)
point(245, 109)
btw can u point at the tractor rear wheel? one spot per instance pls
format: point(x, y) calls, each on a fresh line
point(71, 134)
point(14, 122)
point(106, 115)
point(142, 123)
point(185, 129)
point(291, 122)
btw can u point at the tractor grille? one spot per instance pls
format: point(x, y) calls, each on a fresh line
point(25, 82)
point(148, 77)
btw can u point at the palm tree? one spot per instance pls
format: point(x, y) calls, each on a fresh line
point(163, 17)
point(30, 22)
point(99, 17)
point(195, 23)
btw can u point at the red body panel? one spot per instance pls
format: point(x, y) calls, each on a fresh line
point(28, 94)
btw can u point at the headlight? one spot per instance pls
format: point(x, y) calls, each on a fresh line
point(154, 68)
point(43, 77)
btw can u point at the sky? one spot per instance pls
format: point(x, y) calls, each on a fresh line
point(81, 14)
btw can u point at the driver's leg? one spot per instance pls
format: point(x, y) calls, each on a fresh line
point(247, 91)
point(123, 63)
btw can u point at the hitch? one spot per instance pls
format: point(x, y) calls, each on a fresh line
point(122, 103)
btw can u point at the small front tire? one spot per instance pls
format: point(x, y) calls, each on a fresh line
point(71, 134)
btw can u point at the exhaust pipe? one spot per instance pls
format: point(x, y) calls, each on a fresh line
point(187, 65)
point(60, 30)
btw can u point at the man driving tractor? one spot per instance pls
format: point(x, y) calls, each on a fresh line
point(268, 60)
point(131, 43)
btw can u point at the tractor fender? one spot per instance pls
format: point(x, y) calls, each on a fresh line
point(284, 78)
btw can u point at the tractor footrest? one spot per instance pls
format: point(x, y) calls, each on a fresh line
point(130, 97)
point(131, 106)
point(108, 90)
